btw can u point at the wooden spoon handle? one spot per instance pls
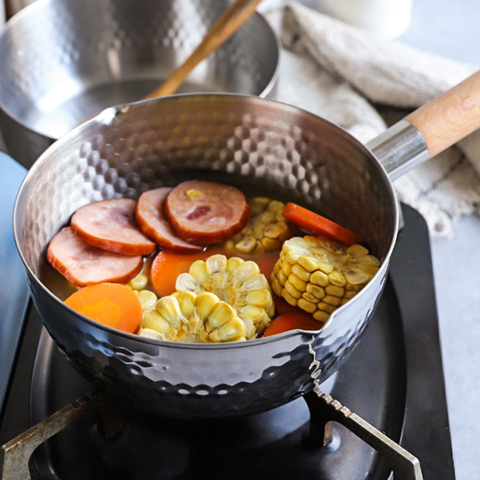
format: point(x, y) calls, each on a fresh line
point(450, 117)
point(232, 19)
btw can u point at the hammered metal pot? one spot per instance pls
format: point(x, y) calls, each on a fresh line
point(62, 61)
point(258, 145)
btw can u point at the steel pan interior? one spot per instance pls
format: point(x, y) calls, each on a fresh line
point(257, 144)
point(62, 61)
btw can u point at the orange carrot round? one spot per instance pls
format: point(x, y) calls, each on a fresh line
point(112, 304)
point(294, 319)
point(318, 225)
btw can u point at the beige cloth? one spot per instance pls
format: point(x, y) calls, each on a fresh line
point(364, 83)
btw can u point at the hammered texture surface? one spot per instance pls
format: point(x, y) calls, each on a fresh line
point(256, 144)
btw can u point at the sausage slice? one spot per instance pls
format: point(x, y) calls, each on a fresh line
point(150, 218)
point(110, 224)
point(206, 212)
point(83, 264)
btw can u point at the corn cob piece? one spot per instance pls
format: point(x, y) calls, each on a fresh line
point(187, 317)
point(318, 274)
point(236, 282)
point(265, 231)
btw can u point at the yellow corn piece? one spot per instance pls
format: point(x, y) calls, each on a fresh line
point(318, 274)
point(236, 282)
point(266, 230)
point(187, 317)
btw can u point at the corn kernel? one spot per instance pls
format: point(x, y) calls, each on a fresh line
point(315, 290)
point(292, 290)
point(310, 297)
point(319, 278)
point(306, 305)
point(288, 298)
point(321, 316)
point(205, 303)
point(337, 278)
point(147, 299)
point(301, 273)
point(356, 277)
point(276, 206)
point(259, 298)
point(272, 231)
point(299, 284)
point(335, 291)
point(246, 245)
point(186, 302)
point(198, 271)
point(153, 320)
point(282, 278)
point(331, 300)
point(169, 308)
point(139, 282)
point(357, 250)
point(233, 263)
point(286, 268)
point(276, 287)
point(308, 263)
point(326, 307)
point(220, 314)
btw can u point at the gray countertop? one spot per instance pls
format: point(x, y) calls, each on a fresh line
point(451, 28)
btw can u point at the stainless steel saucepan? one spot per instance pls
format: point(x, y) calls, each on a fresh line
point(257, 144)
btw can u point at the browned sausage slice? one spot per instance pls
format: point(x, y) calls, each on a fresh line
point(110, 224)
point(206, 212)
point(83, 264)
point(150, 218)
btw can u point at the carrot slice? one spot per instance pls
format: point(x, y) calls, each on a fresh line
point(167, 266)
point(290, 321)
point(318, 225)
point(112, 304)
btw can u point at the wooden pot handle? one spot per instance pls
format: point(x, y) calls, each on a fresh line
point(449, 117)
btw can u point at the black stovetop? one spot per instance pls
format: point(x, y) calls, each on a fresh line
point(394, 380)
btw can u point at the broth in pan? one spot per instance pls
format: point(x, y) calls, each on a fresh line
point(202, 262)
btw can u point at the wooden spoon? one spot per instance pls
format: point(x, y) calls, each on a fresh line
point(228, 23)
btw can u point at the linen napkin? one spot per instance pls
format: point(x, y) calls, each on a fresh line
point(365, 83)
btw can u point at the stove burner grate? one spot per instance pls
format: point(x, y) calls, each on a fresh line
point(384, 381)
point(19, 450)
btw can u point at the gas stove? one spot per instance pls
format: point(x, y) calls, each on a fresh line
point(393, 381)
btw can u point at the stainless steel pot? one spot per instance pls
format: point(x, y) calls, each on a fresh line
point(252, 142)
point(62, 61)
